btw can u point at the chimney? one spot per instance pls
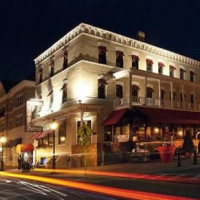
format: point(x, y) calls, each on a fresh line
point(141, 36)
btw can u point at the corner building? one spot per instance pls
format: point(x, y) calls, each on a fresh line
point(125, 90)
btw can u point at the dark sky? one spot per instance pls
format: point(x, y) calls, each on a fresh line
point(28, 27)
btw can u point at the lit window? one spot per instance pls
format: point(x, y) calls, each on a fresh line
point(119, 59)
point(19, 100)
point(102, 55)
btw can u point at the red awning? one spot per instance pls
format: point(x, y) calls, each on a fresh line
point(149, 89)
point(159, 115)
point(44, 133)
point(160, 64)
point(135, 57)
point(181, 69)
point(149, 61)
point(172, 67)
point(102, 48)
point(64, 86)
point(192, 72)
point(135, 87)
point(119, 53)
point(35, 135)
point(115, 117)
point(102, 81)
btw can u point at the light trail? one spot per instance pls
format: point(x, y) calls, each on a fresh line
point(111, 191)
point(164, 178)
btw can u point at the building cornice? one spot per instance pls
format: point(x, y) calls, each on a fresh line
point(108, 35)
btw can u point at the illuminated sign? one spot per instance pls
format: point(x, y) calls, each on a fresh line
point(30, 108)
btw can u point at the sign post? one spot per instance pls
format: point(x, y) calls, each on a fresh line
point(84, 133)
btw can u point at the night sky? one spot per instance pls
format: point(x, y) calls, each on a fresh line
point(29, 27)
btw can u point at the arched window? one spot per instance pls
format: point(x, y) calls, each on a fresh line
point(119, 59)
point(162, 94)
point(51, 65)
point(192, 76)
point(65, 60)
point(171, 70)
point(102, 55)
point(119, 91)
point(62, 133)
point(149, 92)
point(182, 74)
point(64, 92)
point(160, 67)
point(134, 92)
point(40, 76)
point(135, 61)
point(102, 88)
point(149, 64)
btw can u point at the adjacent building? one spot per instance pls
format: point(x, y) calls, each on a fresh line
point(123, 89)
point(13, 97)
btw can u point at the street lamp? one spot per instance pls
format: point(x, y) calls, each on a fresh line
point(54, 125)
point(2, 140)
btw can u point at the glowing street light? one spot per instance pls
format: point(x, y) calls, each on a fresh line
point(2, 140)
point(54, 126)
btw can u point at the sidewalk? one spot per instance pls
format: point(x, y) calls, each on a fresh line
point(155, 167)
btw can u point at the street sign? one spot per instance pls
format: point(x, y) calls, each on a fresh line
point(35, 129)
point(84, 133)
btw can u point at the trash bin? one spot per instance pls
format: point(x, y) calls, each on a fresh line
point(166, 153)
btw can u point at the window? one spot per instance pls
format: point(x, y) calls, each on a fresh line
point(102, 55)
point(19, 100)
point(191, 98)
point(182, 73)
point(51, 68)
point(171, 71)
point(192, 76)
point(102, 88)
point(64, 93)
point(119, 91)
point(134, 92)
point(62, 133)
point(119, 59)
point(2, 112)
point(50, 95)
point(19, 121)
point(149, 64)
point(160, 67)
point(40, 76)
point(162, 94)
point(181, 97)
point(135, 61)
point(65, 60)
point(149, 92)
point(174, 96)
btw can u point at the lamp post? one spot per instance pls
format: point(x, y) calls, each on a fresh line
point(54, 125)
point(2, 140)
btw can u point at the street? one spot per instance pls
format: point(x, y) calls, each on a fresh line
point(19, 189)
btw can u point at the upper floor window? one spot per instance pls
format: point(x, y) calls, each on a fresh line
point(19, 121)
point(51, 70)
point(181, 97)
point(50, 95)
point(64, 95)
point(119, 91)
point(135, 61)
point(192, 76)
point(171, 70)
point(19, 100)
point(40, 76)
point(134, 92)
point(65, 60)
point(149, 92)
point(102, 55)
point(62, 133)
point(191, 98)
point(149, 64)
point(119, 59)
point(160, 67)
point(2, 112)
point(174, 95)
point(102, 88)
point(182, 74)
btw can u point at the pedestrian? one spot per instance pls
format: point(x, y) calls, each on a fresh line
point(19, 162)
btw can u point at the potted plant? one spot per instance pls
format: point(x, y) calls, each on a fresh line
point(166, 152)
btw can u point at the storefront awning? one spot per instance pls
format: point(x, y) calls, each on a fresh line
point(115, 117)
point(17, 141)
point(159, 115)
point(44, 133)
point(24, 148)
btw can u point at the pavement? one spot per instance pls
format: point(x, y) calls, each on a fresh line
point(187, 168)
